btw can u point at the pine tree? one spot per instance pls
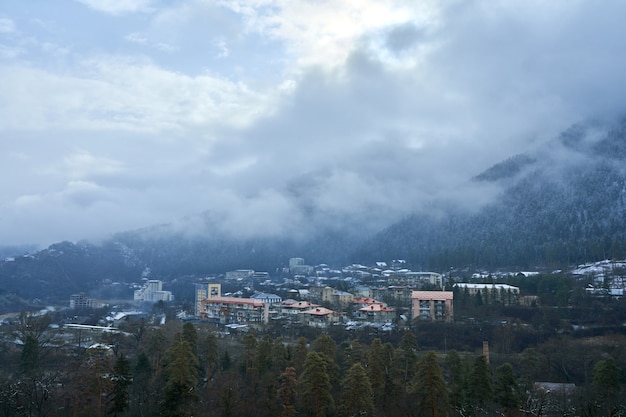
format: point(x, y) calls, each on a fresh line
point(480, 390)
point(287, 392)
point(454, 377)
point(429, 387)
point(408, 349)
point(506, 391)
point(606, 383)
point(376, 371)
point(30, 357)
point(300, 351)
point(315, 386)
point(190, 334)
point(356, 393)
point(325, 344)
point(121, 378)
point(180, 393)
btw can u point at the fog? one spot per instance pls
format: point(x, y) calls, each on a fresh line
point(283, 117)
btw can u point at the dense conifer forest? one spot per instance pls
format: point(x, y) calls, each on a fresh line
point(557, 358)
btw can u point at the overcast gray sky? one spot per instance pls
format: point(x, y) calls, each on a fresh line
point(120, 114)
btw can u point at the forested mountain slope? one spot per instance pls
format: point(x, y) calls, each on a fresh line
point(561, 204)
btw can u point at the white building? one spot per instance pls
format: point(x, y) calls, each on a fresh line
point(152, 292)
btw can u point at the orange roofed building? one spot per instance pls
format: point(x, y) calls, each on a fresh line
point(320, 317)
point(233, 310)
point(432, 305)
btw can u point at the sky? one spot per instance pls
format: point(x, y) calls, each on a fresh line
point(277, 117)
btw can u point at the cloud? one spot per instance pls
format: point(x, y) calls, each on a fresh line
point(284, 117)
point(7, 26)
point(116, 7)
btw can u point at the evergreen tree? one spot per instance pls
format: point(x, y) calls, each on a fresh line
point(121, 378)
point(30, 356)
point(325, 344)
point(249, 347)
point(354, 353)
point(480, 390)
point(141, 388)
point(300, 351)
point(505, 388)
point(181, 373)
point(455, 379)
point(408, 350)
point(287, 392)
point(606, 383)
point(190, 334)
point(356, 393)
point(429, 387)
point(315, 386)
point(210, 358)
point(376, 371)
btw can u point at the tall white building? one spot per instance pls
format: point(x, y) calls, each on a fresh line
point(152, 292)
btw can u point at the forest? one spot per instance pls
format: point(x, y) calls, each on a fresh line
point(422, 369)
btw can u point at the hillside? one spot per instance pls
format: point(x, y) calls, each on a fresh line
point(564, 203)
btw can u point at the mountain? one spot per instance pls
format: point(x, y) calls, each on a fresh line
point(561, 203)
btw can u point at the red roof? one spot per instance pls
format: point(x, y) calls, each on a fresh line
point(319, 311)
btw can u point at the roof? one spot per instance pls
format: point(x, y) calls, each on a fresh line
point(233, 300)
point(485, 286)
point(432, 295)
point(264, 295)
point(319, 311)
point(298, 304)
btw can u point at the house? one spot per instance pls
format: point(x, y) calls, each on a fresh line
point(376, 313)
point(292, 307)
point(432, 305)
point(320, 317)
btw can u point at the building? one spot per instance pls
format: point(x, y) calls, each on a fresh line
point(432, 305)
point(204, 291)
point(240, 274)
point(376, 313)
point(233, 310)
point(414, 279)
point(267, 298)
point(152, 292)
point(320, 317)
point(80, 301)
point(503, 293)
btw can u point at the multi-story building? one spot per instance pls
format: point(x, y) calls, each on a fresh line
point(432, 305)
point(233, 310)
point(152, 291)
point(414, 279)
point(81, 300)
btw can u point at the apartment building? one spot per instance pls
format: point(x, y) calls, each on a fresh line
point(432, 305)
